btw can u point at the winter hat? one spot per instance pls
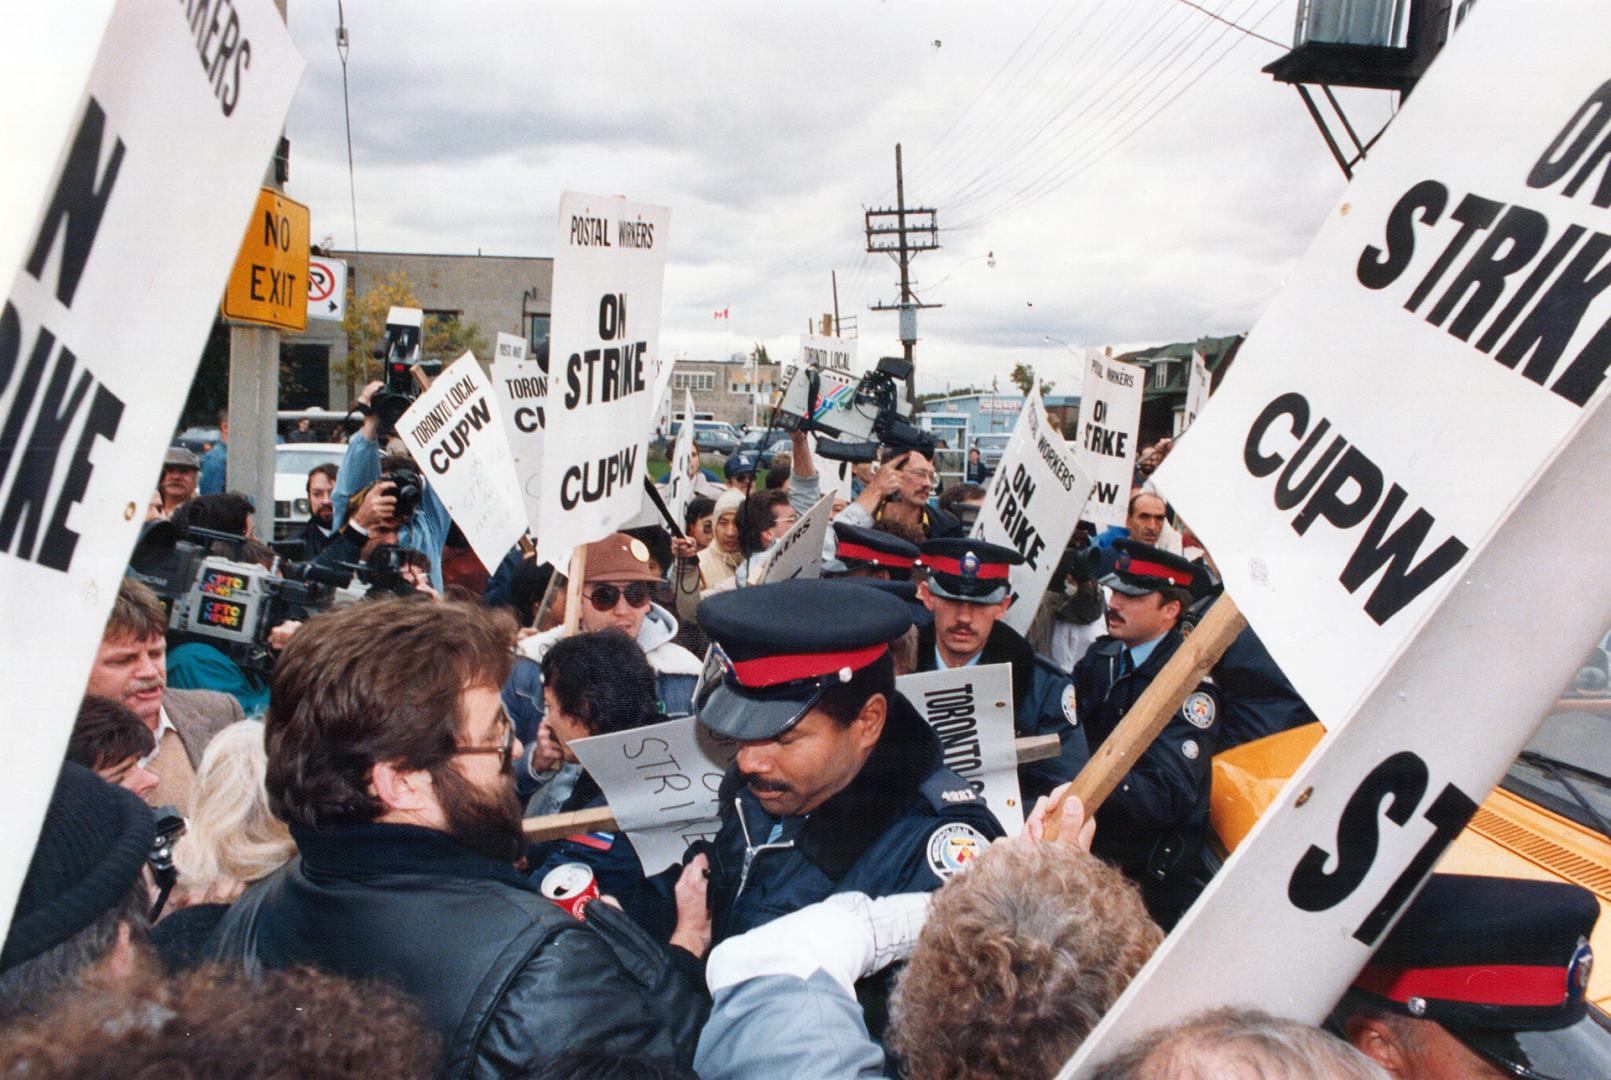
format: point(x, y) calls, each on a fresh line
point(95, 840)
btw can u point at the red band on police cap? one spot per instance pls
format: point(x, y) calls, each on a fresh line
point(773, 670)
point(1152, 569)
point(987, 570)
point(1478, 984)
point(850, 550)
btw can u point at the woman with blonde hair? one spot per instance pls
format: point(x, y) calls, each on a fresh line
point(231, 839)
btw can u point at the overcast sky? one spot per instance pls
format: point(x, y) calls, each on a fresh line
point(1136, 176)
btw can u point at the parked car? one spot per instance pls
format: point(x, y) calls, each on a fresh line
point(779, 446)
point(198, 440)
point(292, 463)
point(715, 440)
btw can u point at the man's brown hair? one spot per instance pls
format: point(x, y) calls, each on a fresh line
point(1021, 955)
point(106, 734)
point(136, 614)
point(376, 682)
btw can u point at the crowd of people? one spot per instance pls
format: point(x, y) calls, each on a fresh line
point(353, 892)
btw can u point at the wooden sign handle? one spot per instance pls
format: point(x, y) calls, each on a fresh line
point(1150, 714)
point(602, 818)
point(573, 589)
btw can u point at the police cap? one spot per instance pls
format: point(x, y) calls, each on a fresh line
point(775, 649)
point(1503, 965)
point(906, 592)
point(858, 548)
point(971, 571)
point(1141, 569)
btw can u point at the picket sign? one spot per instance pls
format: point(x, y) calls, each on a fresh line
point(520, 385)
point(602, 818)
point(1197, 382)
point(661, 783)
point(609, 267)
point(1110, 417)
point(679, 485)
point(130, 177)
point(1427, 671)
point(454, 430)
point(1034, 502)
point(798, 552)
point(970, 710)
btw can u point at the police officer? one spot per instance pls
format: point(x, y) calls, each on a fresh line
point(1482, 977)
point(839, 785)
point(1154, 823)
point(967, 590)
point(869, 553)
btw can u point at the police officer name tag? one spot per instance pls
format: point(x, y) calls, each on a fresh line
point(1372, 553)
point(970, 709)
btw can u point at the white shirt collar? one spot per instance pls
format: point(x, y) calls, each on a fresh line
point(164, 725)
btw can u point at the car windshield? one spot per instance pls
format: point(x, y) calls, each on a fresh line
point(302, 459)
point(1566, 767)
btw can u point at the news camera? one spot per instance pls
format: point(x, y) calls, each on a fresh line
point(857, 416)
point(224, 600)
point(399, 354)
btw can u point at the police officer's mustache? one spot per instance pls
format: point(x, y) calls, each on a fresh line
point(1114, 616)
point(758, 785)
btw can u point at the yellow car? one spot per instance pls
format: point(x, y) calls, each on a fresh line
point(1549, 819)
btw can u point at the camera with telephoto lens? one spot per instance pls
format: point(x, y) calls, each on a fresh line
point(857, 415)
point(407, 488)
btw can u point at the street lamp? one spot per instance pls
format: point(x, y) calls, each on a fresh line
point(1066, 345)
point(990, 256)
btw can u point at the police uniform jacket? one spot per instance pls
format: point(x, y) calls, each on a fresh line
point(1154, 823)
point(1256, 697)
point(902, 825)
point(1043, 704)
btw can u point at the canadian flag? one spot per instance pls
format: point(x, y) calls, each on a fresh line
point(722, 314)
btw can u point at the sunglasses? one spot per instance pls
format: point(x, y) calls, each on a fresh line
point(605, 597)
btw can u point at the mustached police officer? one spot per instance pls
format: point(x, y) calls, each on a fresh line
point(967, 590)
point(839, 785)
point(1154, 823)
point(1482, 977)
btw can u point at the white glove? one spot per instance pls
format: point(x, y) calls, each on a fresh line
point(848, 936)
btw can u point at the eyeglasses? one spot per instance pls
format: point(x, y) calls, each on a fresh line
point(927, 474)
point(605, 597)
point(505, 749)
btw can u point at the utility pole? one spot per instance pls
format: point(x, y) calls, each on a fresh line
point(914, 231)
point(834, 277)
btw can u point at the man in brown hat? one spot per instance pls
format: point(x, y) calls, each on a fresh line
point(616, 590)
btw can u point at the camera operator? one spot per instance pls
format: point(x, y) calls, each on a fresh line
point(899, 492)
point(424, 527)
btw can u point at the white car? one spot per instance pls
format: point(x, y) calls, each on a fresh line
point(292, 463)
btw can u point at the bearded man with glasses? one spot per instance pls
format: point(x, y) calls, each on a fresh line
point(390, 758)
point(616, 590)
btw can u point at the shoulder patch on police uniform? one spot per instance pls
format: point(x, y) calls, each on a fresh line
point(1189, 748)
point(953, 847)
point(1069, 712)
point(1198, 709)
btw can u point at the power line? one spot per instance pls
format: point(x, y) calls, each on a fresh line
point(1233, 26)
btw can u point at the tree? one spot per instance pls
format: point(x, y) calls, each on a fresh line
point(759, 354)
point(1023, 376)
point(365, 326)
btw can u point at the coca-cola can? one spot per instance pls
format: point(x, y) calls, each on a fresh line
point(572, 886)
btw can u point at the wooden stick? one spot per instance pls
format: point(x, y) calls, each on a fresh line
point(1120, 751)
point(602, 819)
point(573, 589)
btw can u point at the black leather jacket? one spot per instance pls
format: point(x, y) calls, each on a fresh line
point(507, 977)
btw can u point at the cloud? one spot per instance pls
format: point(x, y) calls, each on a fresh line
point(769, 130)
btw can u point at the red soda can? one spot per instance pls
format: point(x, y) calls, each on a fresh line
point(572, 886)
